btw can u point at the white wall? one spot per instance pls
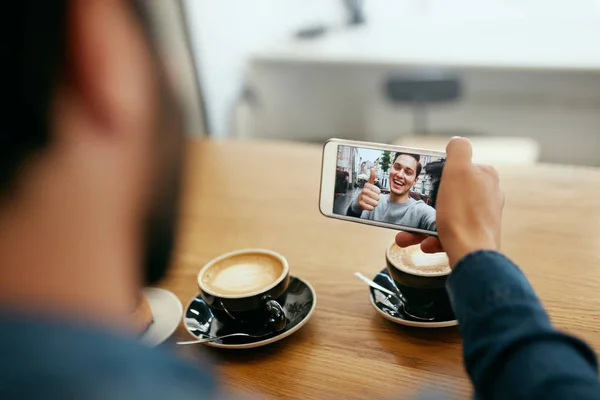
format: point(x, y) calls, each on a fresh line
point(226, 32)
point(393, 10)
point(173, 44)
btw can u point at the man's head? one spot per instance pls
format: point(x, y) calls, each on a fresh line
point(404, 173)
point(94, 127)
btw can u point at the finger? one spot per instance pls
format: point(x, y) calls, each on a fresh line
point(372, 188)
point(405, 239)
point(372, 176)
point(370, 201)
point(366, 206)
point(459, 150)
point(489, 170)
point(431, 244)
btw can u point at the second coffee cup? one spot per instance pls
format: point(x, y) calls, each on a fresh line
point(420, 278)
point(247, 286)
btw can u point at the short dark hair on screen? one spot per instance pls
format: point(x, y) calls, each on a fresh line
point(33, 58)
point(417, 157)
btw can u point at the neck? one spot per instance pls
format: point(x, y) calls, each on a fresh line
point(61, 252)
point(399, 198)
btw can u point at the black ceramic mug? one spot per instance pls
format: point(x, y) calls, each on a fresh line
point(423, 289)
point(247, 286)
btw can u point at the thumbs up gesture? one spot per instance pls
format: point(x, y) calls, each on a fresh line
point(369, 196)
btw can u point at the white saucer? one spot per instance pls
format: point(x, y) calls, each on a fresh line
point(166, 310)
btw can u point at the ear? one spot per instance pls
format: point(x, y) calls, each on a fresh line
point(109, 62)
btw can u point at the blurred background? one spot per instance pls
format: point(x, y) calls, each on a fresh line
point(519, 77)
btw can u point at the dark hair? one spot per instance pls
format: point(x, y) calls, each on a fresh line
point(33, 47)
point(33, 50)
point(415, 156)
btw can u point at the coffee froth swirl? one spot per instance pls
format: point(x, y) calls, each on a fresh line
point(414, 261)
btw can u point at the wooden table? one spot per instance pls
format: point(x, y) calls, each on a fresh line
point(250, 194)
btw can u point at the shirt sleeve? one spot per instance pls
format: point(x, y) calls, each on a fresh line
point(511, 350)
point(354, 209)
point(428, 218)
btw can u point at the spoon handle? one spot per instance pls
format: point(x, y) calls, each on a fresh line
point(210, 339)
point(396, 295)
point(374, 285)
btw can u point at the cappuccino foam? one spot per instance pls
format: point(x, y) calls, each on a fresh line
point(242, 274)
point(412, 260)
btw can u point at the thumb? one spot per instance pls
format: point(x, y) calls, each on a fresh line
point(459, 150)
point(372, 176)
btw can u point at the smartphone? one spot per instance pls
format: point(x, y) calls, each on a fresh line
point(382, 185)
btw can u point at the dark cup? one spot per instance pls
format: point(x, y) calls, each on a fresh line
point(259, 307)
point(424, 294)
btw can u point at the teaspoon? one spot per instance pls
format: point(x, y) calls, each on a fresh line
point(398, 296)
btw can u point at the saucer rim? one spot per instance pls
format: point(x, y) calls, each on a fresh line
point(258, 343)
point(166, 293)
point(406, 322)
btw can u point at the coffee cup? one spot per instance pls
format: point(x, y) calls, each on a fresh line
point(421, 278)
point(247, 286)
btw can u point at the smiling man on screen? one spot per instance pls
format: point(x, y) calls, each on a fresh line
point(397, 207)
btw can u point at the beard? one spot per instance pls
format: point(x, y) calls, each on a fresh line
point(161, 218)
point(160, 222)
point(161, 226)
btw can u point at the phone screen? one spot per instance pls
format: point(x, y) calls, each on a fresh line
point(390, 187)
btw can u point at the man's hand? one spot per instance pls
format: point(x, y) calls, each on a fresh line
point(369, 196)
point(469, 207)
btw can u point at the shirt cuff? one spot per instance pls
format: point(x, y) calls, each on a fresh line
point(354, 207)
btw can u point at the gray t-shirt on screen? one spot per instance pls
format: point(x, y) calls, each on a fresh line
point(412, 213)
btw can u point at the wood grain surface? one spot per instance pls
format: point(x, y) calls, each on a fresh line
point(264, 194)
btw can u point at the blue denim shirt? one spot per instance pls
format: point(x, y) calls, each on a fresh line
point(511, 350)
point(59, 360)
